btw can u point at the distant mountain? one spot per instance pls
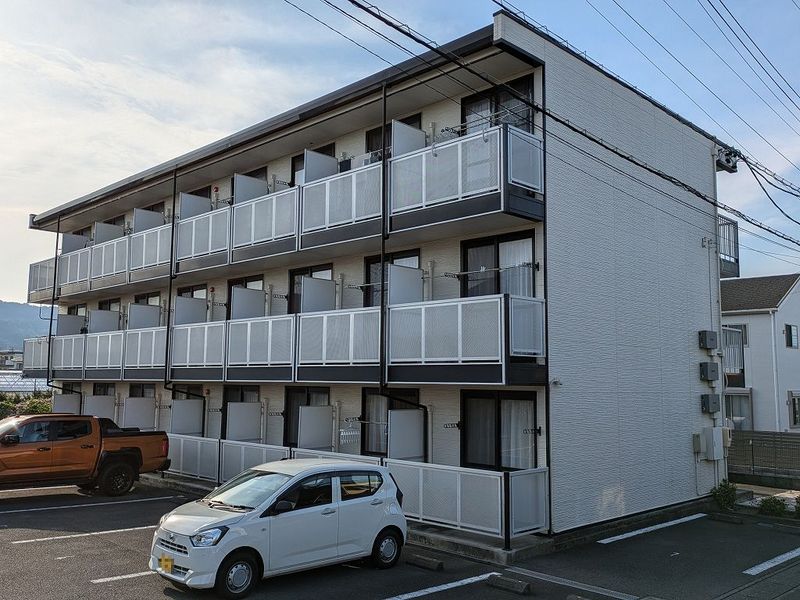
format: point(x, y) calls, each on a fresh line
point(20, 321)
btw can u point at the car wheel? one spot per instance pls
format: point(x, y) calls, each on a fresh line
point(116, 479)
point(237, 575)
point(386, 549)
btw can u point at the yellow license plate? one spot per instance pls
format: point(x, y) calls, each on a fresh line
point(166, 563)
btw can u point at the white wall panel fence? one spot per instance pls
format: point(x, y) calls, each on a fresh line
point(198, 345)
point(204, 234)
point(261, 341)
point(34, 353)
point(526, 326)
point(145, 348)
point(339, 337)
point(73, 267)
point(110, 258)
point(104, 350)
point(271, 217)
point(341, 199)
point(150, 248)
point(67, 352)
point(40, 275)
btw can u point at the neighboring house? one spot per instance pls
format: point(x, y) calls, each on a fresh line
point(765, 395)
point(11, 360)
point(541, 316)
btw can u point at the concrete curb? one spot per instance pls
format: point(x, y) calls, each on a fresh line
point(194, 487)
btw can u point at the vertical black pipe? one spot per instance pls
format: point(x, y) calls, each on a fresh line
point(384, 235)
point(168, 338)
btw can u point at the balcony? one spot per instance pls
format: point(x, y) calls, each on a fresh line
point(203, 240)
point(495, 173)
point(103, 359)
point(261, 349)
point(466, 340)
point(339, 345)
point(728, 243)
point(149, 253)
point(40, 281)
point(145, 352)
point(198, 352)
point(34, 357)
point(109, 263)
point(66, 358)
point(733, 357)
point(73, 271)
point(265, 226)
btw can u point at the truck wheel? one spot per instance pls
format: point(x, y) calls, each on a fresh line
point(116, 479)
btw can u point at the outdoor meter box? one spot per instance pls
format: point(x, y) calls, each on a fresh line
point(708, 339)
point(710, 403)
point(714, 449)
point(709, 371)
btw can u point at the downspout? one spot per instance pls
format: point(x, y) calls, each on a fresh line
point(775, 370)
point(49, 381)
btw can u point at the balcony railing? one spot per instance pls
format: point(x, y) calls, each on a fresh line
point(342, 199)
point(34, 354)
point(526, 324)
point(145, 348)
point(150, 248)
point(110, 258)
point(73, 267)
point(40, 275)
point(104, 350)
point(198, 345)
point(263, 341)
point(203, 234)
point(464, 330)
point(67, 351)
point(339, 337)
point(265, 219)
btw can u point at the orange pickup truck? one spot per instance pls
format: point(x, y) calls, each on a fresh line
point(89, 452)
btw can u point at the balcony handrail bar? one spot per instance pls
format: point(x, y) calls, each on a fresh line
point(445, 301)
point(447, 143)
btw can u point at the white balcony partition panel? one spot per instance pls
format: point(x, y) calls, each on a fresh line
point(238, 456)
point(526, 324)
point(463, 167)
point(529, 503)
point(339, 337)
point(103, 407)
point(68, 352)
point(139, 412)
point(468, 499)
point(263, 341)
point(110, 258)
point(462, 330)
point(104, 350)
point(265, 219)
point(342, 199)
point(145, 348)
point(40, 275)
point(186, 416)
point(525, 159)
point(203, 234)
point(194, 456)
point(74, 267)
point(67, 403)
point(198, 345)
point(34, 353)
point(150, 248)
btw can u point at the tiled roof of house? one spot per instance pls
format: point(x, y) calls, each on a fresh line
point(755, 293)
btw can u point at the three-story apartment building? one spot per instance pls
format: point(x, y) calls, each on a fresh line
point(467, 288)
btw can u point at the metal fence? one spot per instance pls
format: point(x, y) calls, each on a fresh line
point(238, 456)
point(341, 199)
point(104, 350)
point(73, 267)
point(203, 234)
point(150, 248)
point(110, 258)
point(261, 341)
point(40, 275)
point(339, 337)
point(34, 353)
point(67, 352)
point(525, 159)
point(198, 345)
point(765, 453)
point(526, 325)
point(145, 348)
point(271, 217)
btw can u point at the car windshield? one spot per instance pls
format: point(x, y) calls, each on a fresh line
point(8, 425)
point(247, 490)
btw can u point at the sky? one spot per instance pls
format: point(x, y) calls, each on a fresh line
point(93, 91)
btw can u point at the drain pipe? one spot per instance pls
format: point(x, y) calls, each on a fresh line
point(49, 381)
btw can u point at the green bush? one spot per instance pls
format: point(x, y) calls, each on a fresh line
point(7, 408)
point(725, 495)
point(772, 506)
point(34, 406)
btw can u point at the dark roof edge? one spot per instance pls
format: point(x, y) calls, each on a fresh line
point(598, 67)
point(467, 44)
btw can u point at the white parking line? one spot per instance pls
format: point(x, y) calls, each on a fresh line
point(80, 535)
point(573, 584)
point(636, 532)
point(443, 587)
point(773, 562)
point(119, 577)
point(26, 510)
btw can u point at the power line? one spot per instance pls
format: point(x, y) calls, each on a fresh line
point(775, 204)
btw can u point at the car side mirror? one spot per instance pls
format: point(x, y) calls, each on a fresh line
point(9, 440)
point(282, 506)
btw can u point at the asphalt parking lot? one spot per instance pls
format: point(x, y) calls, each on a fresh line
point(61, 543)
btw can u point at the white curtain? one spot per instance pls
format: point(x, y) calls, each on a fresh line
point(516, 267)
point(377, 422)
point(517, 434)
point(481, 424)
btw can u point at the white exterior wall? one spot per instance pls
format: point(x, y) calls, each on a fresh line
point(629, 287)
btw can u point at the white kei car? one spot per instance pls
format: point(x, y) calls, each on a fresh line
point(277, 518)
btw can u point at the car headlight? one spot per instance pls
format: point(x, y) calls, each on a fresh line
point(209, 537)
point(162, 519)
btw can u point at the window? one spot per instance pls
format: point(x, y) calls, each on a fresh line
point(193, 291)
point(259, 173)
point(739, 409)
point(791, 336)
point(372, 273)
point(498, 265)
point(498, 429)
point(375, 417)
point(359, 485)
point(299, 162)
point(103, 389)
point(142, 390)
point(794, 409)
point(71, 387)
point(187, 391)
point(119, 221)
point(743, 329)
point(496, 106)
point(37, 431)
point(203, 192)
point(157, 207)
point(295, 398)
point(77, 309)
point(296, 283)
point(112, 304)
point(85, 231)
point(241, 393)
point(373, 137)
point(313, 491)
point(71, 430)
point(151, 299)
point(256, 282)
